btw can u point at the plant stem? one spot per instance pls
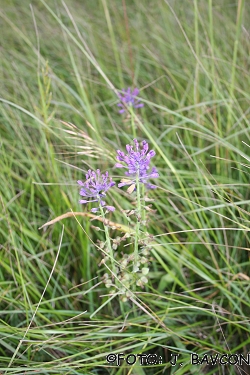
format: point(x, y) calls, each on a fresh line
point(143, 211)
point(137, 230)
point(111, 254)
point(133, 123)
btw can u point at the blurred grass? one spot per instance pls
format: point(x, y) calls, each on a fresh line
point(191, 61)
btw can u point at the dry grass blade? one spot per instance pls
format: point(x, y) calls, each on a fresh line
point(94, 149)
point(120, 227)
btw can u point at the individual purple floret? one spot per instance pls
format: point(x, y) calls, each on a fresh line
point(128, 98)
point(95, 188)
point(137, 162)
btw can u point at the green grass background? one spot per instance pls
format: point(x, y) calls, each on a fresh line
point(64, 61)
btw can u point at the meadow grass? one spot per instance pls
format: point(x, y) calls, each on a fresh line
point(61, 66)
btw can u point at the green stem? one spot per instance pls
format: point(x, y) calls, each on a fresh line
point(133, 123)
point(111, 253)
point(143, 212)
point(137, 230)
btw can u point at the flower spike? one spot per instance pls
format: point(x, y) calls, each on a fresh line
point(128, 98)
point(137, 162)
point(95, 188)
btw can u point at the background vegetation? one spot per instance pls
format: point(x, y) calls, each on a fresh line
point(190, 60)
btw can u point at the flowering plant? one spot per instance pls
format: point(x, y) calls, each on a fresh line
point(137, 162)
point(95, 188)
point(128, 98)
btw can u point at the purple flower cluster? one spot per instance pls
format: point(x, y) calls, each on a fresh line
point(137, 162)
point(128, 98)
point(95, 188)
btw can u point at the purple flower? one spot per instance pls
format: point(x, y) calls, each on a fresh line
point(128, 98)
point(137, 162)
point(95, 188)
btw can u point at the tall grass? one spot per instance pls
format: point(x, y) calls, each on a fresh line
point(61, 66)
